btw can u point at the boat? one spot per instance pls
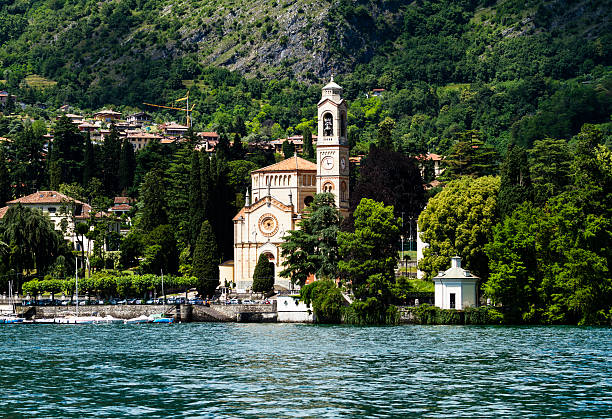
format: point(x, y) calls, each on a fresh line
point(139, 320)
point(10, 320)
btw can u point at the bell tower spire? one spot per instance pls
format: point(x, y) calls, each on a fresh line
point(332, 146)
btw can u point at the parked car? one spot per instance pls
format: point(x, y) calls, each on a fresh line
point(248, 302)
point(234, 301)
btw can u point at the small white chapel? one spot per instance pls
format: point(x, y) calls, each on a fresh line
point(280, 192)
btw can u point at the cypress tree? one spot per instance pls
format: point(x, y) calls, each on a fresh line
point(515, 183)
point(288, 149)
point(196, 211)
point(263, 276)
point(127, 165)
point(308, 148)
point(206, 261)
point(237, 148)
point(89, 161)
point(5, 181)
point(223, 147)
point(205, 184)
point(153, 198)
point(111, 152)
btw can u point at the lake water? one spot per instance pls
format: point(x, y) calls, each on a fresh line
point(287, 370)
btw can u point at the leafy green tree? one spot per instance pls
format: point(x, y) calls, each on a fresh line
point(27, 161)
point(385, 129)
point(33, 242)
point(313, 249)
point(263, 275)
point(132, 246)
point(206, 261)
point(459, 221)
point(160, 251)
point(515, 185)
point(153, 200)
point(127, 165)
point(393, 179)
point(326, 300)
point(368, 257)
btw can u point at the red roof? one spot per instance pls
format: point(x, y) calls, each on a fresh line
point(123, 200)
point(45, 197)
point(291, 164)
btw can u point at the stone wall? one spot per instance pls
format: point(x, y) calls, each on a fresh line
point(233, 312)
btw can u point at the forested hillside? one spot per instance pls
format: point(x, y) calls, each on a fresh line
point(510, 69)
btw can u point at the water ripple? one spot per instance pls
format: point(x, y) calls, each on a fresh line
point(285, 370)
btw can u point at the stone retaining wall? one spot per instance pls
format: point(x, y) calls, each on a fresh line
point(233, 312)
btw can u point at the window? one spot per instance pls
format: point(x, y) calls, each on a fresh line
point(328, 125)
point(328, 187)
point(452, 300)
point(308, 200)
point(343, 191)
point(51, 210)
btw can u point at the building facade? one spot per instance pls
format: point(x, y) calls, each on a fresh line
point(280, 193)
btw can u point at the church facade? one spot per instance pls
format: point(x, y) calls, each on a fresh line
point(280, 193)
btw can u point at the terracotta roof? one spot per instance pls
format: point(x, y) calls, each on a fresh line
point(378, 90)
point(123, 200)
point(166, 141)
point(208, 134)
point(3, 211)
point(291, 164)
point(121, 207)
point(237, 216)
point(45, 197)
point(107, 112)
point(142, 135)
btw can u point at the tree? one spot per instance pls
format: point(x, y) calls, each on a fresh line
point(368, 257)
point(223, 147)
point(160, 251)
point(206, 261)
point(5, 181)
point(385, 128)
point(288, 149)
point(550, 168)
point(263, 275)
point(67, 150)
point(178, 196)
point(127, 165)
point(326, 300)
point(459, 221)
point(153, 200)
point(470, 156)
point(111, 155)
point(238, 151)
point(515, 185)
point(27, 161)
point(89, 161)
point(196, 206)
point(307, 144)
point(33, 242)
point(393, 179)
point(313, 249)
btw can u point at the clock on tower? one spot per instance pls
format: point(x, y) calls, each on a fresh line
point(332, 146)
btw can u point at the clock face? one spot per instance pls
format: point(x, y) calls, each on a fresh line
point(268, 225)
point(343, 163)
point(328, 163)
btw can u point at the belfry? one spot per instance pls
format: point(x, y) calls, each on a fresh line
point(280, 192)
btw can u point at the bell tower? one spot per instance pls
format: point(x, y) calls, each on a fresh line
point(332, 146)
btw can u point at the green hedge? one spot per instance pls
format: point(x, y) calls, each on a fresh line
point(427, 314)
point(109, 284)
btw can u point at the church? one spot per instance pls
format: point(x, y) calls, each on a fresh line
point(280, 193)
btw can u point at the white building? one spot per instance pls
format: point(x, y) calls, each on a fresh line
point(64, 212)
point(455, 288)
point(280, 193)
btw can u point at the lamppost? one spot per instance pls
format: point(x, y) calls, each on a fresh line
point(402, 238)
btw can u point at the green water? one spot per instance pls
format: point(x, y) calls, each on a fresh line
point(284, 370)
